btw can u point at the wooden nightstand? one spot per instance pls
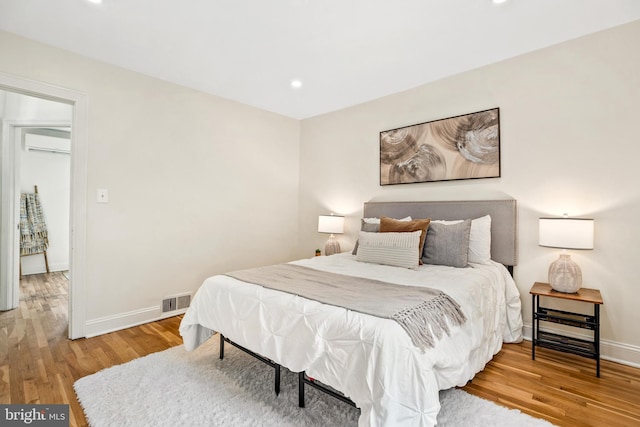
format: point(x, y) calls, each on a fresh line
point(559, 342)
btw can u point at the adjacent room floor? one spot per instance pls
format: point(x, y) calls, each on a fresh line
point(38, 364)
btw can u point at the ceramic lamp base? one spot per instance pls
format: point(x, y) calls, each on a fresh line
point(332, 246)
point(565, 275)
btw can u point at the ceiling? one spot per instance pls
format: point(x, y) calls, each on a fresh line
point(344, 52)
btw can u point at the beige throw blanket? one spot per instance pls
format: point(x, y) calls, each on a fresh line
point(424, 313)
point(34, 237)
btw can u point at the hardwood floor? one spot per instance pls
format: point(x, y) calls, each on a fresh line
point(38, 364)
point(561, 388)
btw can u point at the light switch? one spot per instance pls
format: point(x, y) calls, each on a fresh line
point(102, 195)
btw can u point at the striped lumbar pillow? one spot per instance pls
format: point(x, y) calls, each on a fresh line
point(397, 249)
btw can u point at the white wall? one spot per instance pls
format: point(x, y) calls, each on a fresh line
point(26, 108)
point(51, 173)
point(568, 144)
point(197, 184)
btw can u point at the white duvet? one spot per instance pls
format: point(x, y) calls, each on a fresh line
point(370, 359)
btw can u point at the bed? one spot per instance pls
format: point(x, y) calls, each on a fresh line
point(373, 360)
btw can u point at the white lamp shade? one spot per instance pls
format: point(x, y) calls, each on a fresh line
point(332, 224)
point(566, 233)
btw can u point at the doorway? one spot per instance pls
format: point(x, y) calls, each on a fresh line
point(9, 218)
point(43, 167)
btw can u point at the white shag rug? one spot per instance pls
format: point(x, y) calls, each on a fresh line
point(179, 388)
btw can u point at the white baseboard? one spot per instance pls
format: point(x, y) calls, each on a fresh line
point(52, 267)
point(609, 350)
point(59, 267)
point(117, 322)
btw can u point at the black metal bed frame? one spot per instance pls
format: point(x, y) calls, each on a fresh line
point(305, 379)
point(302, 377)
point(269, 362)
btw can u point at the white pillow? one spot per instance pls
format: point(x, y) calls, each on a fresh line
point(396, 249)
point(480, 240)
point(377, 220)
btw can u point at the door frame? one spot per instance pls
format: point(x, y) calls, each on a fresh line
point(78, 199)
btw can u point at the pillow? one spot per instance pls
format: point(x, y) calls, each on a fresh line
point(377, 220)
point(480, 240)
point(371, 225)
point(370, 220)
point(447, 244)
point(442, 221)
point(393, 225)
point(396, 249)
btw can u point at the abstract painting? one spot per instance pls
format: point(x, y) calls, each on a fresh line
point(461, 147)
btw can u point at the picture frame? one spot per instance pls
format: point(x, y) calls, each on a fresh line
point(456, 148)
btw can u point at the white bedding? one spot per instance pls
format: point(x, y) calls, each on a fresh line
point(370, 359)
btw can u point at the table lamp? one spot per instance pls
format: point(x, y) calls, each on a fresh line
point(332, 224)
point(566, 233)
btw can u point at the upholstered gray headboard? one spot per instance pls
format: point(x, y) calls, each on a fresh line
point(504, 219)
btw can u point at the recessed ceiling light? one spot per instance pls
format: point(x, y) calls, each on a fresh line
point(95, 1)
point(296, 84)
point(499, 1)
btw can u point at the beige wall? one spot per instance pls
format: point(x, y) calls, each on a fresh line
point(569, 143)
point(193, 178)
point(192, 181)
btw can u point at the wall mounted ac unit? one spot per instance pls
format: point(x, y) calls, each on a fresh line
point(34, 142)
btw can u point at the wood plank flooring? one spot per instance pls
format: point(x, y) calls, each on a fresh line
point(38, 364)
point(561, 388)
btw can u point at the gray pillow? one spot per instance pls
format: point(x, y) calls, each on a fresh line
point(447, 244)
point(369, 228)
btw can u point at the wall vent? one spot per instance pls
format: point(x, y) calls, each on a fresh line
point(168, 304)
point(177, 302)
point(184, 301)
